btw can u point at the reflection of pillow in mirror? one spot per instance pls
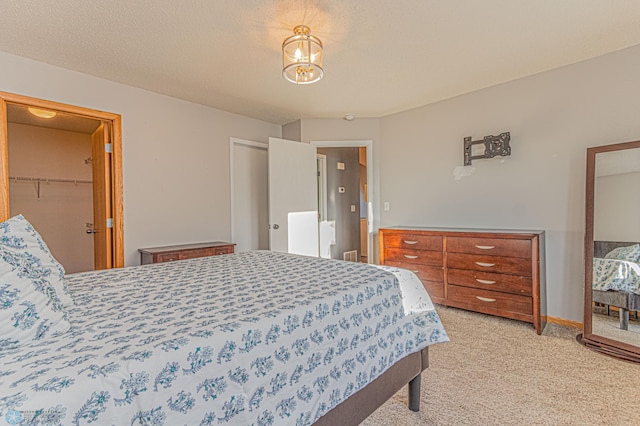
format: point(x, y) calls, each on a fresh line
point(628, 253)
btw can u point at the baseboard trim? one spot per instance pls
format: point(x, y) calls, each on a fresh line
point(564, 322)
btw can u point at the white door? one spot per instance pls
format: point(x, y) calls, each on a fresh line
point(293, 200)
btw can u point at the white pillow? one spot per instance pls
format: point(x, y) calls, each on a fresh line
point(29, 307)
point(18, 236)
point(627, 253)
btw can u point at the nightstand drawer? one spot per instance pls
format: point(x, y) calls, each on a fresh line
point(515, 284)
point(192, 254)
point(223, 250)
point(498, 264)
point(490, 246)
point(167, 257)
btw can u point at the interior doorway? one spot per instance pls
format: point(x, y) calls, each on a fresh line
point(342, 198)
point(249, 195)
point(45, 169)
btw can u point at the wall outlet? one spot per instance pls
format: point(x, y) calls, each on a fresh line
point(353, 208)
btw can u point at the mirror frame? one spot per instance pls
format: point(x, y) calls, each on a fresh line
point(595, 342)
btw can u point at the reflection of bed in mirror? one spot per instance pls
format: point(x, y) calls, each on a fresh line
point(616, 282)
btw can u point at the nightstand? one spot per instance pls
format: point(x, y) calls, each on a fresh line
point(184, 251)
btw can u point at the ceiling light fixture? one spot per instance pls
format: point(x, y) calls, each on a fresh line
point(42, 113)
point(302, 57)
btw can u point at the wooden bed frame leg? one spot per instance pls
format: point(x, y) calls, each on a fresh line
point(414, 393)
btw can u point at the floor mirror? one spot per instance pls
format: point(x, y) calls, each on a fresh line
point(612, 251)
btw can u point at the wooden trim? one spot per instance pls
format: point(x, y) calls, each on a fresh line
point(564, 322)
point(117, 189)
point(13, 98)
point(116, 143)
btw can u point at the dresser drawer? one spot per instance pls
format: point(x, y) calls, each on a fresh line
point(490, 300)
point(497, 264)
point(425, 273)
point(435, 290)
point(490, 281)
point(414, 241)
point(490, 246)
point(413, 256)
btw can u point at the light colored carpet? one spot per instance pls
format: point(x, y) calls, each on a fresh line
point(496, 371)
point(609, 326)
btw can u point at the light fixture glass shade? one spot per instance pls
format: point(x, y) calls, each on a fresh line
point(302, 57)
point(42, 113)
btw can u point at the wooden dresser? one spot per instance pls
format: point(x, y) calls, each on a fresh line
point(497, 272)
point(184, 251)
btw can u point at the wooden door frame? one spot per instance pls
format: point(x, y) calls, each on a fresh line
point(116, 163)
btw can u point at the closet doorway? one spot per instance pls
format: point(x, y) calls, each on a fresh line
point(64, 173)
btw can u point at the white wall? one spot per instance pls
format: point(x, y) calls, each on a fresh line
point(617, 207)
point(175, 153)
point(62, 210)
point(553, 117)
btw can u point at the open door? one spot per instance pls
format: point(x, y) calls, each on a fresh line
point(101, 163)
point(293, 199)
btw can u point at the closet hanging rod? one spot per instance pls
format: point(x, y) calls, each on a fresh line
point(37, 179)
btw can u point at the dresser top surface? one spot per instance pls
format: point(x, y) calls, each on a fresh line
point(192, 246)
point(463, 230)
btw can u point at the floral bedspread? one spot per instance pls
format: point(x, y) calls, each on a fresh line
point(613, 274)
point(255, 338)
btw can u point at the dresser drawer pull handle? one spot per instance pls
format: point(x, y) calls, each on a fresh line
point(485, 299)
point(409, 242)
point(485, 281)
point(485, 247)
point(410, 256)
point(485, 264)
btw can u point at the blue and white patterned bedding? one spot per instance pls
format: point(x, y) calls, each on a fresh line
point(614, 274)
point(254, 338)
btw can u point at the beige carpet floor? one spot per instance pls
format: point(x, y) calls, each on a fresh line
point(496, 371)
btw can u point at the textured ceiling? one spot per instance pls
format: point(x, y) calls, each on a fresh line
point(381, 56)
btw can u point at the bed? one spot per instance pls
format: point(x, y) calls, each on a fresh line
point(251, 338)
point(616, 277)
